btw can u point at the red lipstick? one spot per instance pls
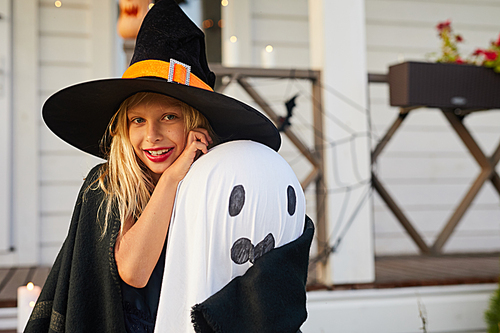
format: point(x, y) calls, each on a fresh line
point(158, 158)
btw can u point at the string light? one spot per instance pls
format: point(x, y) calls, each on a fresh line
point(208, 24)
point(151, 5)
point(269, 48)
point(224, 3)
point(233, 39)
point(58, 3)
point(30, 286)
point(32, 304)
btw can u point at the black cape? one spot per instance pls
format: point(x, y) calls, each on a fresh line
point(82, 292)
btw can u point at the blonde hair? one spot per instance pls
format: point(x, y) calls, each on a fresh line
point(125, 179)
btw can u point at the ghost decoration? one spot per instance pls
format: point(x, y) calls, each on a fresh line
point(237, 202)
point(132, 13)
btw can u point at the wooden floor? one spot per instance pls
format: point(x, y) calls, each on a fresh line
point(418, 270)
point(12, 278)
point(411, 271)
point(391, 272)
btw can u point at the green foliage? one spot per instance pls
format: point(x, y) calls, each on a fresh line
point(492, 315)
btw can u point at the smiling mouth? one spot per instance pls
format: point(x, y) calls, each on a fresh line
point(158, 152)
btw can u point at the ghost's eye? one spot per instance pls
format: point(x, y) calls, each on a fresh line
point(292, 200)
point(236, 200)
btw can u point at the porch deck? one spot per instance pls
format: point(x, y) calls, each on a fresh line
point(414, 271)
point(391, 272)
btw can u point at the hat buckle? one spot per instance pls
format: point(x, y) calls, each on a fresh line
point(171, 71)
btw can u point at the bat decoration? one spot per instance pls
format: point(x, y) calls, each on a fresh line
point(284, 122)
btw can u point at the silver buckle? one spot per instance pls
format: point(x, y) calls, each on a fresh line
point(171, 70)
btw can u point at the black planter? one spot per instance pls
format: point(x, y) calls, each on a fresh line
point(444, 86)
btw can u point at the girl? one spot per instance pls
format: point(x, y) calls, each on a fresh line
point(148, 138)
point(146, 126)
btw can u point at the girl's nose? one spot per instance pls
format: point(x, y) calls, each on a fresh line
point(153, 133)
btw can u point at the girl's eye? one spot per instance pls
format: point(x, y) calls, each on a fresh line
point(170, 117)
point(137, 120)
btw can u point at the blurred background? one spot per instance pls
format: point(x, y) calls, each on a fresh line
point(407, 236)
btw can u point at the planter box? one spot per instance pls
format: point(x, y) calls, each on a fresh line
point(444, 86)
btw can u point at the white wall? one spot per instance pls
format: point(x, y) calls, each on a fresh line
point(284, 25)
point(445, 309)
point(76, 44)
point(426, 167)
point(53, 48)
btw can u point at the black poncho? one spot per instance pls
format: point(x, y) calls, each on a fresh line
point(82, 292)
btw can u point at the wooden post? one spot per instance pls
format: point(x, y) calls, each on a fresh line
point(314, 156)
point(321, 189)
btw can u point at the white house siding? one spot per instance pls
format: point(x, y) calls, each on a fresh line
point(76, 44)
point(426, 167)
point(284, 25)
point(68, 39)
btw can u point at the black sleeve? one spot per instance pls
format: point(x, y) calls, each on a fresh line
point(269, 297)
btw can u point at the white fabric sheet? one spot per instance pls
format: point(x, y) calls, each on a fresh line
point(234, 203)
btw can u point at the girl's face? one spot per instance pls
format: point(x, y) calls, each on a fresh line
point(157, 133)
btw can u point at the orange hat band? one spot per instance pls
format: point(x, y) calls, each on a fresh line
point(173, 71)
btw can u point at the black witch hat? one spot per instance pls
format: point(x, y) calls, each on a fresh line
point(169, 59)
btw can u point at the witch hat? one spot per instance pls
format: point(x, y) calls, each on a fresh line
point(169, 59)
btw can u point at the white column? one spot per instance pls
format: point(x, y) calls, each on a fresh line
point(5, 126)
point(25, 153)
point(338, 47)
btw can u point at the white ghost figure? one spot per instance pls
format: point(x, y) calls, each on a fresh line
point(236, 203)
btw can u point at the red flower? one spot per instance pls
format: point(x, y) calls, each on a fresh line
point(490, 55)
point(478, 52)
point(459, 38)
point(459, 61)
point(497, 43)
point(443, 25)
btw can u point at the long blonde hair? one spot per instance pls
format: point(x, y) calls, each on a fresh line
point(125, 179)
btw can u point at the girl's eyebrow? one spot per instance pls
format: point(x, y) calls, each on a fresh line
point(131, 113)
point(173, 110)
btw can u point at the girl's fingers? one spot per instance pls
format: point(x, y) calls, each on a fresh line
point(200, 137)
point(200, 134)
point(198, 145)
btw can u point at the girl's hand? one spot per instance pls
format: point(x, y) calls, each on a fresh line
point(196, 144)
